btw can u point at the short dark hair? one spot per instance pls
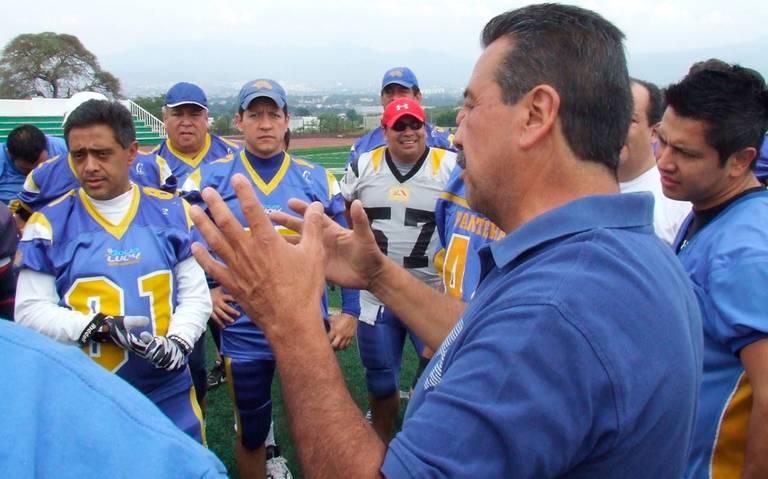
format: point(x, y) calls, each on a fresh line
point(25, 143)
point(656, 104)
point(732, 101)
point(101, 112)
point(414, 89)
point(580, 54)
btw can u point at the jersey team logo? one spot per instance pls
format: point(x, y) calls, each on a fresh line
point(399, 193)
point(122, 257)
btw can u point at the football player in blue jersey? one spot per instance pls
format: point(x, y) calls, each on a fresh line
point(189, 144)
point(55, 176)
point(275, 177)
point(25, 148)
point(709, 139)
point(110, 256)
point(399, 82)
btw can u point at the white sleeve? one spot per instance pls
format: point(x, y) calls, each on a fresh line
point(37, 307)
point(194, 302)
point(349, 185)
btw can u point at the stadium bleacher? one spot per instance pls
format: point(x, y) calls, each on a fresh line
point(51, 125)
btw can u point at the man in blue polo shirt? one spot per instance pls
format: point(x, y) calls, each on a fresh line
point(26, 148)
point(568, 361)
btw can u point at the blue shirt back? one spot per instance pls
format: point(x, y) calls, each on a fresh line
point(65, 417)
point(579, 356)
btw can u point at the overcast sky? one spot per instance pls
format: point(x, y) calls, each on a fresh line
point(160, 32)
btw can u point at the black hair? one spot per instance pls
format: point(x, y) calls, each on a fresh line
point(732, 101)
point(656, 103)
point(579, 54)
point(25, 144)
point(101, 112)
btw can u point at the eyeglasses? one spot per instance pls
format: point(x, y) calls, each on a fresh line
point(412, 123)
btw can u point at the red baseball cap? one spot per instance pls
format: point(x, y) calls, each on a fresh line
point(399, 108)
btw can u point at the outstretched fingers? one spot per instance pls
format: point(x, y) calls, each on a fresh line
point(360, 224)
point(253, 211)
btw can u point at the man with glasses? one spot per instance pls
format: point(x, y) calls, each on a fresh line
point(399, 82)
point(398, 185)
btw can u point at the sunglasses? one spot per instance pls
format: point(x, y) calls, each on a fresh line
point(412, 123)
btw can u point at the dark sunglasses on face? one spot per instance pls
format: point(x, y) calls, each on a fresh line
point(412, 123)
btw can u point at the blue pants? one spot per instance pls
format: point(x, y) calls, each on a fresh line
point(381, 351)
point(250, 387)
point(182, 408)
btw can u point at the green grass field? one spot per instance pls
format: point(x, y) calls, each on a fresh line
point(334, 158)
point(220, 417)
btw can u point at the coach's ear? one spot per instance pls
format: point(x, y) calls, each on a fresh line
point(239, 122)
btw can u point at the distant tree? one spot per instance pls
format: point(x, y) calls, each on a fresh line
point(333, 123)
point(353, 116)
point(52, 65)
point(301, 111)
point(153, 104)
point(223, 125)
point(443, 116)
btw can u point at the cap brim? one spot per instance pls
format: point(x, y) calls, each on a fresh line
point(272, 96)
point(404, 83)
point(174, 105)
point(399, 115)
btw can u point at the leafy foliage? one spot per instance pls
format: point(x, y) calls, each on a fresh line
point(52, 65)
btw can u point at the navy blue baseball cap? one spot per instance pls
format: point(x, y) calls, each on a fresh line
point(186, 94)
point(261, 88)
point(400, 75)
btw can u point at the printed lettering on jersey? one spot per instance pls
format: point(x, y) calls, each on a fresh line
point(400, 193)
point(479, 225)
point(122, 257)
point(436, 374)
point(274, 208)
point(307, 176)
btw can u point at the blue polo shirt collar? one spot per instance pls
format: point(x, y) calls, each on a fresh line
point(626, 210)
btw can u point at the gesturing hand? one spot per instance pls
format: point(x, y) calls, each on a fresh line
point(278, 284)
point(353, 259)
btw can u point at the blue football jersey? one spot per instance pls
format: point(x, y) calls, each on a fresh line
point(48, 181)
point(125, 269)
point(295, 178)
point(462, 232)
point(180, 165)
point(436, 137)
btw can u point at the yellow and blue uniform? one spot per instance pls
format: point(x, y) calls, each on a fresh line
point(462, 232)
point(248, 357)
point(125, 269)
point(11, 179)
point(170, 161)
point(727, 261)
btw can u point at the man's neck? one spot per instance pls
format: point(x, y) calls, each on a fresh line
point(736, 188)
point(631, 170)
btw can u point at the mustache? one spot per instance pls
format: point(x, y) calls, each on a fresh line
point(461, 160)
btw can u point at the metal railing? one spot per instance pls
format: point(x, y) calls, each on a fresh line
point(150, 120)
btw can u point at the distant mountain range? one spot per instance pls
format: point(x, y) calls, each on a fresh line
point(312, 69)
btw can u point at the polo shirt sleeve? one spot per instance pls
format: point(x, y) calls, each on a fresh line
point(523, 387)
point(736, 291)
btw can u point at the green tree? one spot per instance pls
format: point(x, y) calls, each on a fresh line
point(52, 65)
point(223, 125)
point(353, 116)
point(153, 104)
point(443, 116)
point(301, 111)
point(332, 123)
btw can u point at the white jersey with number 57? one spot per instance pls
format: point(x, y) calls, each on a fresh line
point(401, 205)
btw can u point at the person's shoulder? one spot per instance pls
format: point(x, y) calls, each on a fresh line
point(120, 407)
point(51, 219)
point(225, 144)
point(368, 162)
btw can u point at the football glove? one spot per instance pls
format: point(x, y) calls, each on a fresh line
point(165, 352)
point(104, 328)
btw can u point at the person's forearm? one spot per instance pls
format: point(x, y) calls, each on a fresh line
point(756, 454)
point(332, 437)
point(194, 302)
point(429, 313)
